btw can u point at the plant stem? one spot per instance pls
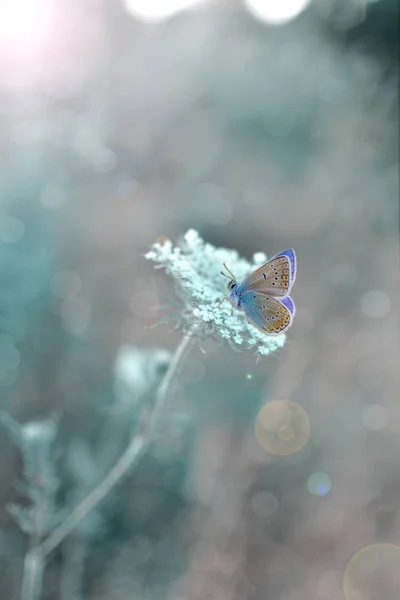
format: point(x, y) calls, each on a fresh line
point(44, 503)
point(128, 459)
point(33, 575)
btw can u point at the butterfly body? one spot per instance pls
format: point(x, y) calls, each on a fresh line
point(234, 296)
point(263, 295)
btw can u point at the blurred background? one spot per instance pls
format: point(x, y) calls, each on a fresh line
point(264, 125)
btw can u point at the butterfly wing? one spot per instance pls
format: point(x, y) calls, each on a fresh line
point(288, 302)
point(275, 277)
point(269, 314)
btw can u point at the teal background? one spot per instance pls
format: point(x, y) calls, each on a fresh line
point(114, 132)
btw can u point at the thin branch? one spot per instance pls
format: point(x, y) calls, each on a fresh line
point(128, 459)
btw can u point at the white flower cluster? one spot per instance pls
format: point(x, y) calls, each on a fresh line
point(195, 266)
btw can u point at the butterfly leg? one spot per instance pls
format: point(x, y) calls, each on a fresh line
point(223, 300)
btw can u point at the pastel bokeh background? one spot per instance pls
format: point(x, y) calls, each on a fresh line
point(263, 125)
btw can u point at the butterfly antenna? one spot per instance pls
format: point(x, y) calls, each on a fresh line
point(230, 272)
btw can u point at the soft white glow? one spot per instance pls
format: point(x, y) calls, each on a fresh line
point(46, 43)
point(24, 21)
point(156, 10)
point(29, 33)
point(276, 12)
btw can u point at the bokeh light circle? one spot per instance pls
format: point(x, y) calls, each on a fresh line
point(276, 12)
point(375, 304)
point(319, 484)
point(12, 230)
point(373, 574)
point(157, 10)
point(282, 427)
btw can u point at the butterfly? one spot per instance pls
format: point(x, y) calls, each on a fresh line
point(264, 294)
